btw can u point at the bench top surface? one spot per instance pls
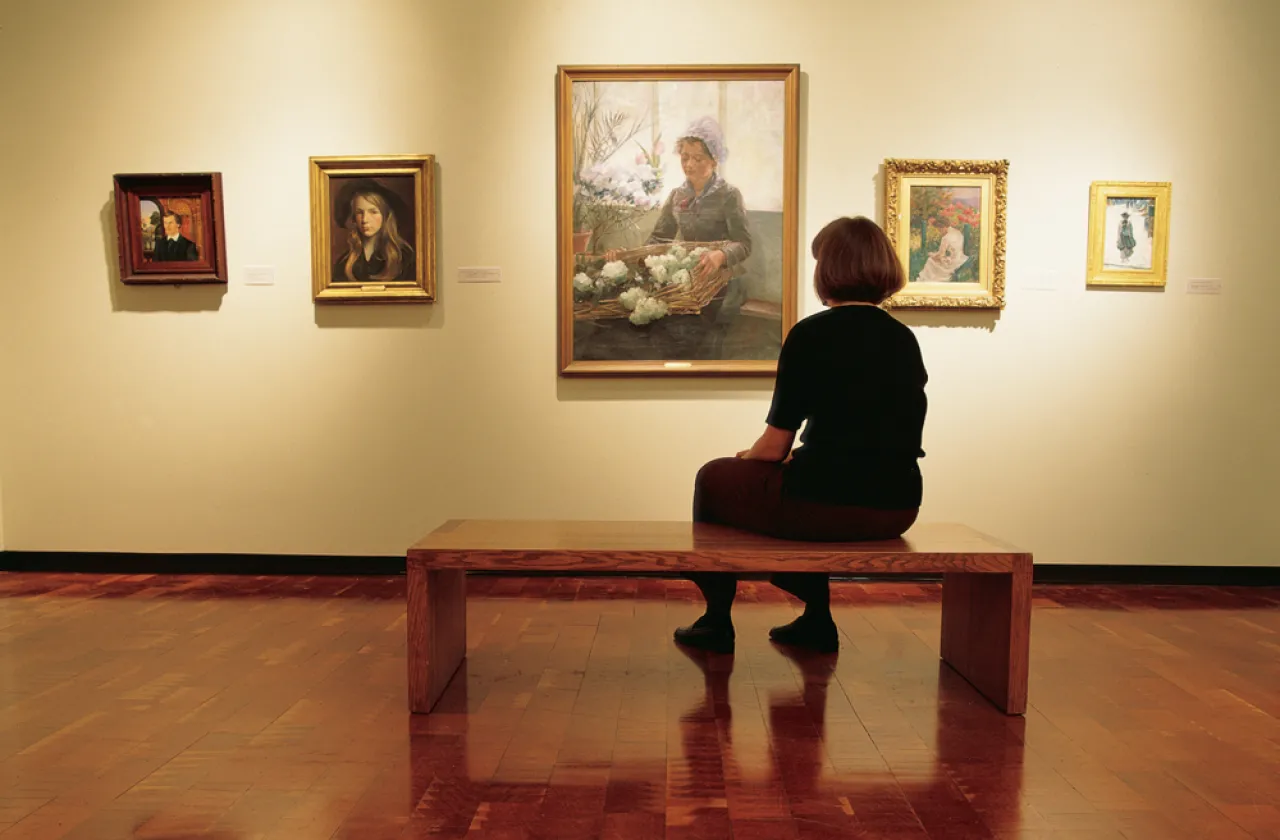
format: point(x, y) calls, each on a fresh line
point(637, 545)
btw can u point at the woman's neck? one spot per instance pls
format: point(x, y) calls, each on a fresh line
point(850, 303)
point(369, 245)
point(699, 186)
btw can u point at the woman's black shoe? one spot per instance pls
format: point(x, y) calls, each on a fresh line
point(715, 636)
point(817, 634)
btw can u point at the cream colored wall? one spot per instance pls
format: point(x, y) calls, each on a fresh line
point(1089, 426)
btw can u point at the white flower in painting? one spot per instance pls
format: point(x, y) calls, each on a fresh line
point(678, 252)
point(682, 277)
point(648, 309)
point(582, 282)
point(614, 272)
point(631, 297)
point(659, 274)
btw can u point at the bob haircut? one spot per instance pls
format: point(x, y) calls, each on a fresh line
point(856, 262)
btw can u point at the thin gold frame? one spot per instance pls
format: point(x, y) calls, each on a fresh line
point(789, 74)
point(993, 177)
point(422, 289)
point(1098, 274)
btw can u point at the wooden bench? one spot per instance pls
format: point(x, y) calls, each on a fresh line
point(986, 590)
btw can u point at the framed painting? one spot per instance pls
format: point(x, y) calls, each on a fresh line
point(169, 228)
point(677, 218)
point(946, 219)
point(373, 229)
point(1128, 233)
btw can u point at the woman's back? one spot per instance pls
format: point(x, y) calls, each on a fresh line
point(856, 376)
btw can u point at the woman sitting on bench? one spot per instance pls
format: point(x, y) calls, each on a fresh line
point(855, 377)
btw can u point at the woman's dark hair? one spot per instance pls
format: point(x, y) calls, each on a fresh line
point(856, 261)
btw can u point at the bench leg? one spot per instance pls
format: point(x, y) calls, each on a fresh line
point(986, 632)
point(437, 636)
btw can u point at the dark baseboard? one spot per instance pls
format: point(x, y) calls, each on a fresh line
point(129, 563)
point(125, 563)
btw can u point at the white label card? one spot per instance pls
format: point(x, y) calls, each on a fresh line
point(1045, 281)
point(1204, 286)
point(259, 275)
point(479, 274)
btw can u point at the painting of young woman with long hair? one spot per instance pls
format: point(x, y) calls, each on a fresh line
point(373, 224)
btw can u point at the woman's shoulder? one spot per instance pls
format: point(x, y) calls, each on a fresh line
point(837, 319)
point(730, 190)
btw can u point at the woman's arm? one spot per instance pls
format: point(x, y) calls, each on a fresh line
point(739, 247)
point(773, 445)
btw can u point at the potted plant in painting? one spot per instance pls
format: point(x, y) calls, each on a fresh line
point(609, 196)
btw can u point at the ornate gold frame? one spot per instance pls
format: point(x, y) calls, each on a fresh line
point(1099, 192)
point(789, 74)
point(422, 289)
point(993, 177)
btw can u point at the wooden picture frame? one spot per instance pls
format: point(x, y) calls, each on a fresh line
point(169, 228)
point(946, 219)
point(663, 270)
point(386, 204)
point(1128, 233)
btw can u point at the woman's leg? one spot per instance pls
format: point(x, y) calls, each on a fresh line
point(728, 491)
point(719, 589)
point(813, 588)
point(815, 628)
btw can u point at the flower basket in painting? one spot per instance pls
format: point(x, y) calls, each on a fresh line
point(647, 283)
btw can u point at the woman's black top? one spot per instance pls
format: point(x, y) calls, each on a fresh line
point(854, 376)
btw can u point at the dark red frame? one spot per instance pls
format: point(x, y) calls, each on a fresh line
point(129, 191)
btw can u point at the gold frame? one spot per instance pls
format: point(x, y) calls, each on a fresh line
point(993, 177)
point(789, 74)
point(422, 289)
point(1098, 274)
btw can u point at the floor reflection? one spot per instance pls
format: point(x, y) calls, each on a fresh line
point(763, 742)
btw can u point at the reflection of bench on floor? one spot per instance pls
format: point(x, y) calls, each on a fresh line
point(986, 590)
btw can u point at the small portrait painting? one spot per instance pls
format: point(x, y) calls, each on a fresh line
point(372, 237)
point(170, 228)
point(373, 229)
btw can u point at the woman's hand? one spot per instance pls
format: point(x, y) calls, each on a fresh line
point(612, 254)
point(710, 263)
point(773, 445)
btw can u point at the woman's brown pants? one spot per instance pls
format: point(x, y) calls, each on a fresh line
point(748, 495)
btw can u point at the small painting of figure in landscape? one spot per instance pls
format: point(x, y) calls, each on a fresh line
point(1131, 224)
point(946, 231)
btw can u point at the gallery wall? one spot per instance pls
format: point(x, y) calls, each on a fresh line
point(1090, 426)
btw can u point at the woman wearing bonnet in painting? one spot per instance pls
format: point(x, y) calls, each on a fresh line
point(705, 208)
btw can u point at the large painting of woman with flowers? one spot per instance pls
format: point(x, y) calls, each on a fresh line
point(677, 225)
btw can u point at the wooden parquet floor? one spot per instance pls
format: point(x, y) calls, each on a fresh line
point(234, 708)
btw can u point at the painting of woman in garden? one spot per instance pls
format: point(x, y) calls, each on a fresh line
point(945, 234)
